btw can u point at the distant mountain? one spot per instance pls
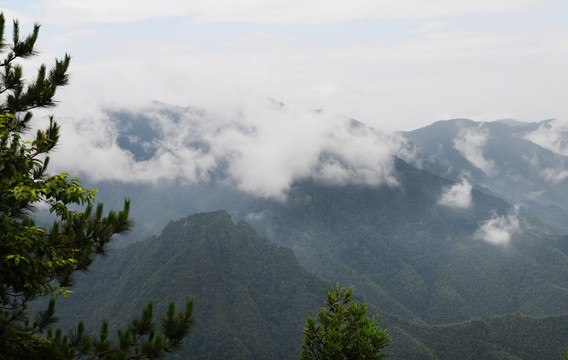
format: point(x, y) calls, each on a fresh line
point(512, 122)
point(407, 251)
point(155, 205)
point(501, 157)
point(412, 256)
point(462, 250)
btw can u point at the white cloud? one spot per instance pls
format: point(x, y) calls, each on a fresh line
point(499, 229)
point(89, 146)
point(554, 175)
point(553, 138)
point(551, 135)
point(255, 216)
point(457, 195)
point(263, 147)
point(470, 142)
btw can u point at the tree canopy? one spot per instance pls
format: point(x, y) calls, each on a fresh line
point(36, 261)
point(343, 331)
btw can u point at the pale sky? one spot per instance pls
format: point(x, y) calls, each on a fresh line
point(392, 64)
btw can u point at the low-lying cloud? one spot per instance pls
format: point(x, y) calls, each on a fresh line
point(260, 146)
point(553, 171)
point(499, 229)
point(555, 175)
point(457, 195)
point(552, 136)
point(470, 142)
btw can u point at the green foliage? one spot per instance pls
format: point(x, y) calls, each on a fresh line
point(343, 330)
point(18, 97)
point(139, 340)
point(37, 262)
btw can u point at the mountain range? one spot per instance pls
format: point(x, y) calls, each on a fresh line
point(461, 254)
point(524, 163)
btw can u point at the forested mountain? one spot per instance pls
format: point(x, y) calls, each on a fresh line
point(252, 298)
point(522, 162)
point(415, 257)
point(458, 254)
point(507, 337)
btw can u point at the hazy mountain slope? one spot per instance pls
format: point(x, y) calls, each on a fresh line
point(428, 258)
point(154, 205)
point(507, 337)
point(404, 251)
point(501, 157)
point(432, 248)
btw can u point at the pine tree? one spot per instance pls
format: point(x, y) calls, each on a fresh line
point(342, 331)
point(36, 262)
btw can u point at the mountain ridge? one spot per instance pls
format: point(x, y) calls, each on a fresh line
point(246, 289)
point(243, 283)
point(502, 159)
point(451, 243)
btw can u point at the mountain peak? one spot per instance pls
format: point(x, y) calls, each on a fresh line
point(512, 122)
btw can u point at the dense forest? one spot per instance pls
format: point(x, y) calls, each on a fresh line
point(252, 298)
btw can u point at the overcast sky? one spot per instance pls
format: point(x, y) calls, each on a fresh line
point(393, 64)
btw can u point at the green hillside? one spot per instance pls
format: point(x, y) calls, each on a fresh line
point(252, 298)
point(403, 251)
point(407, 254)
point(506, 337)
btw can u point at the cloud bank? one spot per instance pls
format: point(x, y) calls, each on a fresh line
point(457, 196)
point(261, 146)
point(499, 229)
